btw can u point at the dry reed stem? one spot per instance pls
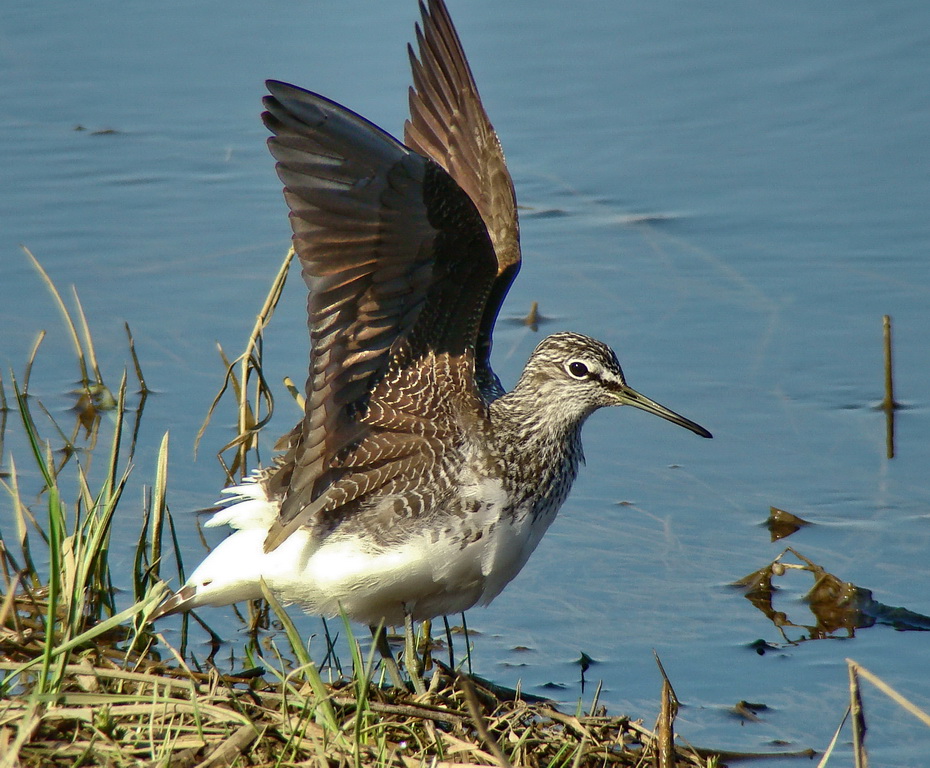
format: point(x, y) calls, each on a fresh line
point(250, 362)
point(474, 709)
point(66, 316)
point(857, 715)
point(890, 692)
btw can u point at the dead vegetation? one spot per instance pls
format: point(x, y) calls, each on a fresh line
point(113, 707)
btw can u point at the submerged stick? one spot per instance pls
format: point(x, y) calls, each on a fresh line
point(889, 404)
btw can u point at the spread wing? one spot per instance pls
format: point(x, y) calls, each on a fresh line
point(448, 124)
point(399, 266)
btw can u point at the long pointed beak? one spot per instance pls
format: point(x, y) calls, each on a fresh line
point(629, 396)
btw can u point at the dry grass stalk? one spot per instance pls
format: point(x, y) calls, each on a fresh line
point(890, 692)
point(249, 418)
point(858, 719)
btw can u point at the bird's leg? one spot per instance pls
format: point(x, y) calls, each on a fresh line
point(411, 660)
point(380, 639)
point(426, 631)
point(467, 644)
point(445, 621)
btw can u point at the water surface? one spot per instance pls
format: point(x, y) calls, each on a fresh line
point(731, 196)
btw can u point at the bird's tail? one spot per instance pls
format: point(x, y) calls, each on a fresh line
point(182, 600)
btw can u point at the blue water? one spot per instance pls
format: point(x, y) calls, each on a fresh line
point(731, 196)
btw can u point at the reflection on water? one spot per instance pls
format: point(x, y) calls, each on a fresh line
point(838, 606)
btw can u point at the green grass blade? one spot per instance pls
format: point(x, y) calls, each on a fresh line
point(60, 652)
point(159, 507)
point(56, 536)
point(307, 668)
point(22, 530)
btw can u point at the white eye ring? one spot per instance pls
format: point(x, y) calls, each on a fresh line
point(577, 369)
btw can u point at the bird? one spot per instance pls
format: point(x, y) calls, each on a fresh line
point(415, 485)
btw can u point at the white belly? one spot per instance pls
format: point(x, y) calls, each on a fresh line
point(425, 575)
point(420, 577)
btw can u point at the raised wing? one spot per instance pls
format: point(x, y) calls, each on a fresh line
point(448, 124)
point(399, 266)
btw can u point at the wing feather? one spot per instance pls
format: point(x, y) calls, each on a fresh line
point(448, 123)
point(399, 266)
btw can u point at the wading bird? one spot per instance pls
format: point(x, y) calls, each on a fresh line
point(414, 486)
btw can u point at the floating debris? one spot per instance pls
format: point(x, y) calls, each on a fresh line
point(782, 524)
point(839, 607)
point(532, 319)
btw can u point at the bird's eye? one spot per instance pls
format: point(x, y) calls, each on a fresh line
point(578, 369)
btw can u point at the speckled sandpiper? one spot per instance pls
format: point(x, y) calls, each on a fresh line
point(414, 486)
